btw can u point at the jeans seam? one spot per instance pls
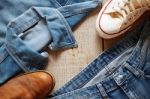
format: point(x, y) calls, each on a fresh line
point(129, 88)
point(69, 31)
point(58, 4)
point(5, 54)
point(55, 47)
point(64, 21)
point(144, 56)
point(76, 90)
point(26, 25)
point(4, 58)
point(102, 90)
point(17, 60)
point(111, 89)
point(77, 11)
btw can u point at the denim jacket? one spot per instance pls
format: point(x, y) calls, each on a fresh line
point(49, 16)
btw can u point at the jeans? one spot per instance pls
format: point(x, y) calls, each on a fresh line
point(26, 27)
point(121, 72)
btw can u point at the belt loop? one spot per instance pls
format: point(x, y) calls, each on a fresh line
point(102, 91)
point(137, 72)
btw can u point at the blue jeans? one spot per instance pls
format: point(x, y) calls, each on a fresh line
point(22, 25)
point(121, 72)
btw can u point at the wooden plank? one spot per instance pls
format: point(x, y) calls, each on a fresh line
point(110, 42)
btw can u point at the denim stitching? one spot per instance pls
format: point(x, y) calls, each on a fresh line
point(126, 92)
point(17, 60)
point(74, 91)
point(133, 79)
point(77, 11)
point(102, 90)
point(143, 56)
point(70, 45)
point(4, 54)
point(56, 2)
point(137, 72)
point(20, 28)
point(69, 31)
point(4, 58)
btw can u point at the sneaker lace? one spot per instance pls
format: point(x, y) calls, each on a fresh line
point(125, 7)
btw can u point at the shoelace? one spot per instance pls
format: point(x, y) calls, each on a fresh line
point(125, 7)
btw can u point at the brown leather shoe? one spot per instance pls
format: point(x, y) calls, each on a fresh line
point(33, 85)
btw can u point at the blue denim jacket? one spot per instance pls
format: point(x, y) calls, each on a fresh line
point(49, 16)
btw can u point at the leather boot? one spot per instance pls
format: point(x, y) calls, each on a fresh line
point(33, 85)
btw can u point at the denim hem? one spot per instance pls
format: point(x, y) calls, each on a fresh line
point(64, 45)
point(70, 45)
point(92, 90)
point(79, 8)
point(17, 60)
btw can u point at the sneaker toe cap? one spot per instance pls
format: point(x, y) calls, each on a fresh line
point(110, 25)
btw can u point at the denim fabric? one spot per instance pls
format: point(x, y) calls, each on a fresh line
point(121, 72)
point(22, 25)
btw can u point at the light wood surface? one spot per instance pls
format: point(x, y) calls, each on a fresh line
point(66, 64)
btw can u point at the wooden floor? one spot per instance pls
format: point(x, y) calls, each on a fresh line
point(66, 64)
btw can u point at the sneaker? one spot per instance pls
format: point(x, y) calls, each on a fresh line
point(117, 16)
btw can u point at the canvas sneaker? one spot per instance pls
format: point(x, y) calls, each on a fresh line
point(117, 16)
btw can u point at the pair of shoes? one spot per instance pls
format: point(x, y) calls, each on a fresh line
point(33, 85)
point(117, 16)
